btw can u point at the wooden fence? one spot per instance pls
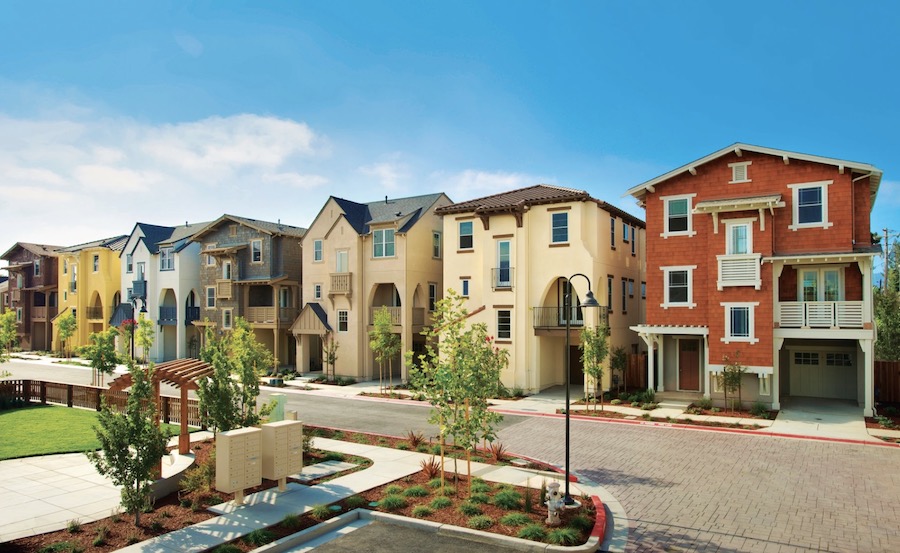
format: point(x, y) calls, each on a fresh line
point(887, 381)
point(89, 397)
point(635, 371)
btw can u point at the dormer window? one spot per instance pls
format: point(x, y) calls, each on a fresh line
point(383, 243)
point(739, 172)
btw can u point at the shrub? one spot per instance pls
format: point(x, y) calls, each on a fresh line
point(133, 539)
point(156, 526)
point(423, 448)
point(563, 536)
point(403, 446)
point(431, 468)
point(102, 534)
point(479, 498)
point(518, 392)
point(434, 483)
point(649, 406)
point(469, 509)
point(645, 416)
point(440, 503)
point(480, 487)
point(508, 499)
point(449, 490)
point(715, 410)
point(227, 548)
point(480, 522)
point(534, 532)
point(635, 403)
point(334, 456)
point(884, 422)
point(355, 502)
point(200, 478)
point(582, 523)
point(393, 489)
point(392, 502)
point(759, 410)
point(290, 521)
point(320, 511)
point(705, 403)
point(891, 411)
point(416, 491)
point(74, 526)
point(436, 449)
point(497, 450)
point(259, 537)
point(514, 519)
point(616, 402)
point(414, 438)
point(422, 511)
point(61, 547)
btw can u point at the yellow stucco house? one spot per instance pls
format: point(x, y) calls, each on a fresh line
point(358, 258)
point(89, 283)
point(511, 255)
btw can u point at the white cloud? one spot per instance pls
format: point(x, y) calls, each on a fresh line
point(471, 183)
point(296, 180)
point(189, 44)
point(389, 174)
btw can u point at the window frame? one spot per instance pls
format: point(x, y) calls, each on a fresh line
point(470, 235)
point(256, 248)
point(343, 321)
point(227, 270)
point(667, 202)
point(735, 169)
point(609, 292)
point(729, 309)
point(795, 205)
point(210, 298)
point(554, 227)
point(624, 295)
point(317, 291)
point(95, 263)
point(432, 296)
point(129, 263)
point(464, 287)
point(37, 267)
point(730, 225)
point(667, 271)
point(318, 251)
point(501, 333)
point(227, 318)
point(167, 259)
point(633, 241)
point(210, 260)
point(383, 242)
point(437, 245)
point(612, 232)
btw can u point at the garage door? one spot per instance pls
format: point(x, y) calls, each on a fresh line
point(823, 374)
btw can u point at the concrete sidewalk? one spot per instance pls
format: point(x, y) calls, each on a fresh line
point(269, 507)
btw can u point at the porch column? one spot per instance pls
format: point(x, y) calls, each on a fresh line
point(777, 344)
point(865, 267)
point(869, 368)
point(651, 374)
point(276, 331)
point(706, 372)
point(662, 369)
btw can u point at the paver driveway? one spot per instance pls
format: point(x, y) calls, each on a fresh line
point(688, 490)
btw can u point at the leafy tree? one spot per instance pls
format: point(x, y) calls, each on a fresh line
point(102, 354)
point(131, 443)
point(594, 349)
point(887, 319)
point(7, 334)
point(329, 351)
point(66, 325)
point(459, 377)
point(144, 335)
point(228, 396)
point(385, 344)
point(731, 376)
point(618, 362)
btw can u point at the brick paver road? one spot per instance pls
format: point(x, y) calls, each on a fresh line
point(689, 490)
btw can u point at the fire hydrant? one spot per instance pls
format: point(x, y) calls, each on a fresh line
point(555, 501)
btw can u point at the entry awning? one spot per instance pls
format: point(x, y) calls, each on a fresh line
point(311, 320)
point(672, 330)
point(730, 205)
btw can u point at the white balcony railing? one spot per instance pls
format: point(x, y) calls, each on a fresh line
point(821, 314)
point(739, 270)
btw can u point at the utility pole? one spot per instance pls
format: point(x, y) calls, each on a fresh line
point(885, 249)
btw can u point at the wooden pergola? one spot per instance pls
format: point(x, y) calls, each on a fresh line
point(181, 373)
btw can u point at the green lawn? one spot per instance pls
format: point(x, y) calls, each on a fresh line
point(47, 429)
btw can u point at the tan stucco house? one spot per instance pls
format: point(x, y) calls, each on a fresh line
point(512, 255)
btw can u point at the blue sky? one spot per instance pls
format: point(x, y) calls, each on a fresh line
point(169, 111)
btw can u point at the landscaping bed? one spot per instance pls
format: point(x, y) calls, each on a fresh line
point(648, 418)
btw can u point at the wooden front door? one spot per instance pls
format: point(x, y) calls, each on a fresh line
point(689, 365)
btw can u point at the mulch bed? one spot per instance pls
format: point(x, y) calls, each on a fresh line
point(645, 417)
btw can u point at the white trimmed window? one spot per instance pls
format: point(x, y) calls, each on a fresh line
point(626, 235)
point(432, 296)
point(166, 259)
point(256, 251)
point(129, 263)
point(317, 291)
point(609, 291)
point(633, 241)
point(18, 314)
point(37, 267)
point(210, 297)
point(65, 266)
point(226, 319)
point(226, 270)
point(343, 320)
point(559, 228)
point(678, 219)
point(96, 263)
point(739, 236)
point(678, 286)
point(809, 207)
point(643, 290)
point(464, 284)
point(504, 324)
point(436, 245)
point(612, 233)
point(465, 235)
point(383, 244)
point(210, 260)
point(740, 172)
point(317, 251)
point(740, 322)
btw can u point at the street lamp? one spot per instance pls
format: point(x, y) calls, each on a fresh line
point(134, 301)
point(589, 301)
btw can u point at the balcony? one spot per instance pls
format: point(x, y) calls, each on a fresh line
point(139, 289)
point(821, 314)
point(15, 295)
point(43, 313)
point(224, 288)
point(168, 316)
point(554, 317)
point(94, 313)
point(191, 314)
point(502, 278)
point(340, 283)
point(396, 314)
point(270, 314)
point(739, 270)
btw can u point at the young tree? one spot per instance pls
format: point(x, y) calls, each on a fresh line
point(66, 325)
point(7, 334)
point(459, 377)
point(385, 344)
point(102, 354)
point(618, 362)
point(228, 396)
point(887, 320)
point(594, 348)
point(731, 376)
point(144, 336)
point(131, 443)
point(329, 352)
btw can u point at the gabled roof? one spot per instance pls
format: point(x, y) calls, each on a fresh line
point(540, 194)
point(405, 212)
point(36, 249)
point(738, 148)
point(267, 227)
point(181, 235)
point(114, 243)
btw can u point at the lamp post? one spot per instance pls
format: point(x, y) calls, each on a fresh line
point(134, 301)
point(589, 301)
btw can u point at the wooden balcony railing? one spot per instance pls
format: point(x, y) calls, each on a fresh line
point(554, 317)
point(94, 313)
point(502, 278)
point(418, 314)
point(821, 314)
point(15, 295)
point(43, 313)
point(139, 288)
point(224, 288)
point(168, 315)
point(270, 314)
point(739, 270)
point(340, 283)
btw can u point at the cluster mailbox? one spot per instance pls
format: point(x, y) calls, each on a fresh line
point(247, 455)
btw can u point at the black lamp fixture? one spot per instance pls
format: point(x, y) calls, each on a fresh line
point(589, 301)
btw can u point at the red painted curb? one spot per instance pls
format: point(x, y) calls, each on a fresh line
point(599, 530)
point(759, 432)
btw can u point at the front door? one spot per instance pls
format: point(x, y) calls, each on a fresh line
point(689, 365)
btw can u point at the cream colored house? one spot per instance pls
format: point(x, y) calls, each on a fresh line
point(512, 255)
point(357, 258)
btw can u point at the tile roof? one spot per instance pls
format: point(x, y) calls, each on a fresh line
point(262, 226)
point(404, 211)
point(115, 243)
point(37, 249)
